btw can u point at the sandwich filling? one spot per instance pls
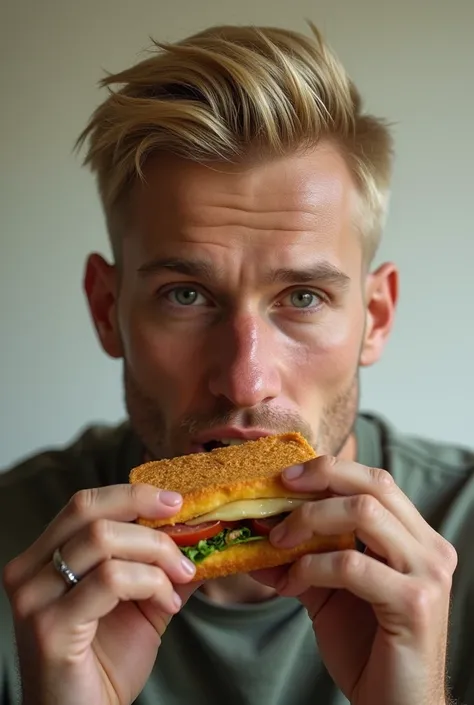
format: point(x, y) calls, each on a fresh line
point(237, 522)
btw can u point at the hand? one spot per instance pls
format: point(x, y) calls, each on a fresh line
point(97, 642)
point(380, 617)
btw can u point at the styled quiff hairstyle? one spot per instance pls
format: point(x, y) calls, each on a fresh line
point(236, 94)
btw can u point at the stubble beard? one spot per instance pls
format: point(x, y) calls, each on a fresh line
point(338, 419)
point(160, 440)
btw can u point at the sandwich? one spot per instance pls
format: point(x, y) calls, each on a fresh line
point(233, 496)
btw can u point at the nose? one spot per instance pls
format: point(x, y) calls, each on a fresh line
point(245, 369)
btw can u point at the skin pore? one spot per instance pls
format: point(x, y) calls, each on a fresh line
point(243, 299)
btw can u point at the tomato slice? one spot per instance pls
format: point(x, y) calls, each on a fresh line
point(229, 524)
point(184, 535)
point(262, 527)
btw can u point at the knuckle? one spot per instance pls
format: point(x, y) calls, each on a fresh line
point(162, 541)
point(100, 533)
point(381, 478)
point(301, 570)
point(140, 493)
point(366, 508)
point(161, 581)
point(449, 554)
point(110, 575)
point(9, 575)
point(440, 574)
point(83, 501)
point(349, 564)
point(452, 557)
point(419, 602)
point(20, 602)
point(135, 492)
point(307, 512)
point(324, 465)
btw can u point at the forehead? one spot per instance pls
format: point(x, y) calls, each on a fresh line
point(296, 202)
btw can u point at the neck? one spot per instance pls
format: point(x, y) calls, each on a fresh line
point(236, 589)
point(242, 589)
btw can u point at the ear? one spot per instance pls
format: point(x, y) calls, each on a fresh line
point(101, 288)
point(381, 302)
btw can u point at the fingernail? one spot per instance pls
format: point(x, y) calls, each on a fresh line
point(293, 472)
point(171, 499)
point(188, 566)
point(177, 601)
point(278, 533)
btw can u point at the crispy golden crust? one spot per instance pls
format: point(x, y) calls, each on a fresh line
point(246, 557)
point(208, 480)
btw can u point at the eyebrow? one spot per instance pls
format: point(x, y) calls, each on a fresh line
point(189, 267)
point(319, 272)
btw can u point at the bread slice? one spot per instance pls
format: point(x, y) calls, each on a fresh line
point(209, 480)
point(262, 554)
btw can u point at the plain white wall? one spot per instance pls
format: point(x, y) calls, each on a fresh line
point(413, 61)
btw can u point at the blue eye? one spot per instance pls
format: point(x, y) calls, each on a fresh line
point(185, 296)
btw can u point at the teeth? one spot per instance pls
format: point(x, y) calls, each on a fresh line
point(232, 441)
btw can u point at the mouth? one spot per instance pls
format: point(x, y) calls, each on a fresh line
point(223, 438)
point(222, 443)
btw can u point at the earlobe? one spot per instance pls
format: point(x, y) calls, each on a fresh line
point(100, 286)
point(381, 297)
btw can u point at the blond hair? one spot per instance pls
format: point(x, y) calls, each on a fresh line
point(229, 94)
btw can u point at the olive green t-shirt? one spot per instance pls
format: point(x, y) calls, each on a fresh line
point(263, 654)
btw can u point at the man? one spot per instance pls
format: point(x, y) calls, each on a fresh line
point(245, 192)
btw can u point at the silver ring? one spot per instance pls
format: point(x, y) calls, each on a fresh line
point(70, 578)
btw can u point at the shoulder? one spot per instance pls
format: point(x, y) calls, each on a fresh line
point(33, 491)
point(437, 456)
point(438, 477)
point(95, 445)
point(404, 453)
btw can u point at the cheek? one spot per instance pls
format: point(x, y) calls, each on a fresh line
point(164, 363)
point(328, 354)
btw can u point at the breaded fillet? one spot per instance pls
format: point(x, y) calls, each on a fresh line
point(208, 480)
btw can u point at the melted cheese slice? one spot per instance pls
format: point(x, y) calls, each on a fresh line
point(249, 509)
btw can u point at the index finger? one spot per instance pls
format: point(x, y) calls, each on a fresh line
point(343, 477)
point(125, 502)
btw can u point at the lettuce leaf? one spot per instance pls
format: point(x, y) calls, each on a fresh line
point(219, 542)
